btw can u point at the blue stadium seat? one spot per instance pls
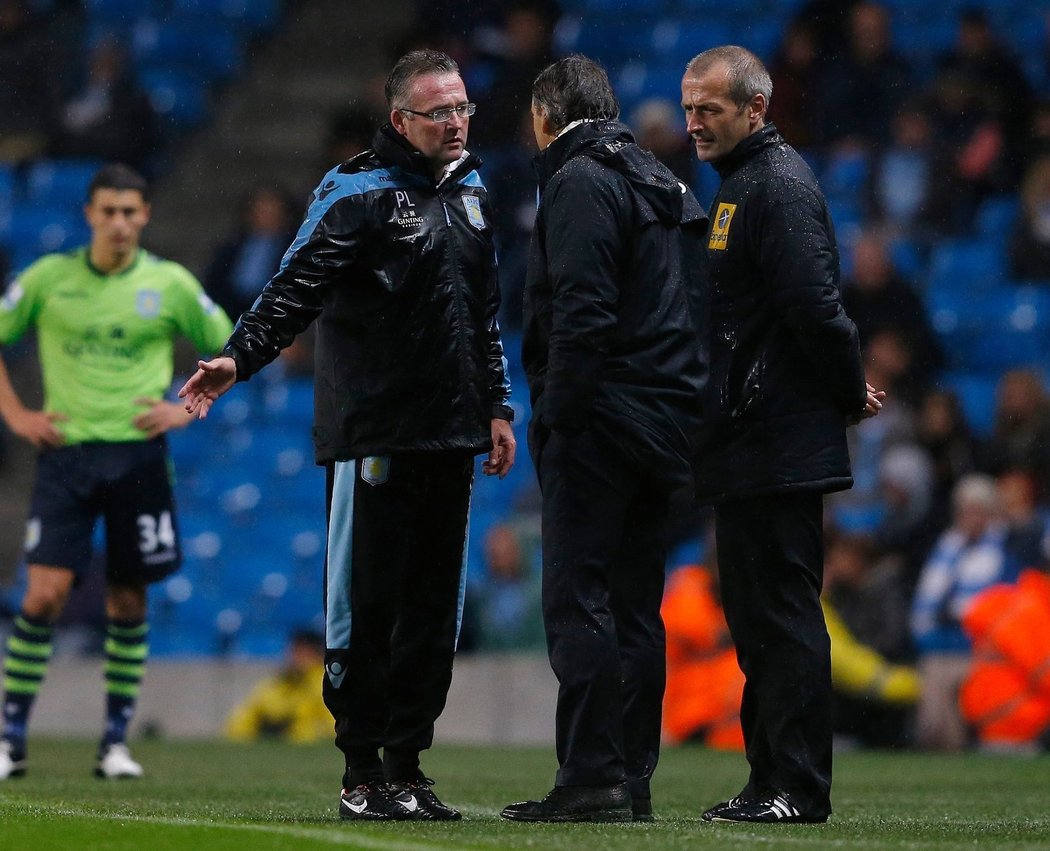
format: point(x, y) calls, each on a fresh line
point(120, 12)
point(594, 36)
point(176, 95)
point(996, 217)
point(845, 176)
point(60, 184)
point(976, 394)
point(907, 257)
point(253, 16)
point(8, 186)
point(995, 330)
point(966, 266)
point(35, 231)
point(212, 53)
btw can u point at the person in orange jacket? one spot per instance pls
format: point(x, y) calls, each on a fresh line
point(704, 682)
point(1006, 695)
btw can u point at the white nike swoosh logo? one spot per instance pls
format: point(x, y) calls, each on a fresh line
point(411, 804)
point(358, 808)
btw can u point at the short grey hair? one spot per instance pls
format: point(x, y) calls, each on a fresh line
point(413, 64)
point(747, 75)
point(574, 88)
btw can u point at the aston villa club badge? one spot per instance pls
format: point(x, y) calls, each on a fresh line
point(472, 204)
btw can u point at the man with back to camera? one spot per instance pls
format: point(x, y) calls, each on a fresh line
point(395, 261)
point(615, 375)
point(786, 379)
point(106, 318)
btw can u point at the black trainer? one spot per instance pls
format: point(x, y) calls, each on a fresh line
point(419, 799)
point(371, 802)
point(735, 801)
point(778, 808)
point(575, 803)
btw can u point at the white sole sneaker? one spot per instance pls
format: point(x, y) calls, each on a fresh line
point(116, 764)
point(10, 767)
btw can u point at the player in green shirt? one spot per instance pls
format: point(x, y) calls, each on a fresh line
point(106, 317)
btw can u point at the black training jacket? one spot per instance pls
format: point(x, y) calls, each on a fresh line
point(616, 257)
point(786, 370)
point(400, 273)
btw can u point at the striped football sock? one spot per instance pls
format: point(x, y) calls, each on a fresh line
point(126, 649)
point(25, 664)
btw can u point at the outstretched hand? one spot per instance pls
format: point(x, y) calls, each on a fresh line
point(208, 383)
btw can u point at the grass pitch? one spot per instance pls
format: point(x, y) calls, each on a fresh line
point(207, 796)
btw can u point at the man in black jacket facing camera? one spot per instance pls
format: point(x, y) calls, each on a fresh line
point(615, 376)
point(396, 263)
point(786, 379)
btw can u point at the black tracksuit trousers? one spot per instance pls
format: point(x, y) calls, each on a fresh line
point(393, 604)
point(771, 568)
point(604, 547)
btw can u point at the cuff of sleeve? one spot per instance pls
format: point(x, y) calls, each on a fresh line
point(230, 351)
point(503, 412)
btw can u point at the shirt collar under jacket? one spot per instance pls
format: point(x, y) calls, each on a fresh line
point(573, 139)
point(746, 149)
point(395, 150)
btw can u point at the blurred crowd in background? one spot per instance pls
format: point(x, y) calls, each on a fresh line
point(929, 128)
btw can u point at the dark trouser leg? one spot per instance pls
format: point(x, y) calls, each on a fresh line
point(637, 592)
point(429, 609)
point(771, 564)
point(366, 536)
point(585, 499)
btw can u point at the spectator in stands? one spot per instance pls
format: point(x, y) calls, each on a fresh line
point(350, 132)
point(239, 265)
point(1006, 694)
point(109, 117)
point(879, 300)
point(1038, 139)
point(865, 608)
point(516, 52)
point(970, 556)
point(704, 682)
point(795, 72)
point(943, 433)
point(1030, 241)
point(512, 185)
point(983, 65)
point(287, 705)
point(1026, 521)
point(912, 519)
point(906, 184)
point(32, 70)
point(971, 131)
point(1021, 437)
point(860, 90)
point(657, 128)
point(509, 598)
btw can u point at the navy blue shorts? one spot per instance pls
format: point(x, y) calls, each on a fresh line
point(127, 484)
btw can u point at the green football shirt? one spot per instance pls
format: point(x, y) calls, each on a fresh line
point(107, 340)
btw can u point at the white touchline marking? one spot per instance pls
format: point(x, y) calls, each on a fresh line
point(335, 834)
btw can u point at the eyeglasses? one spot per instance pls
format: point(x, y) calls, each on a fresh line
point(440, 116)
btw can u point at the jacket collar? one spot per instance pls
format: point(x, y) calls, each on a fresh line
point(575, 141)
point(395, 150)
point(747, 149)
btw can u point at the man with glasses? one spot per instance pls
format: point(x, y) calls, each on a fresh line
point(395, 261)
